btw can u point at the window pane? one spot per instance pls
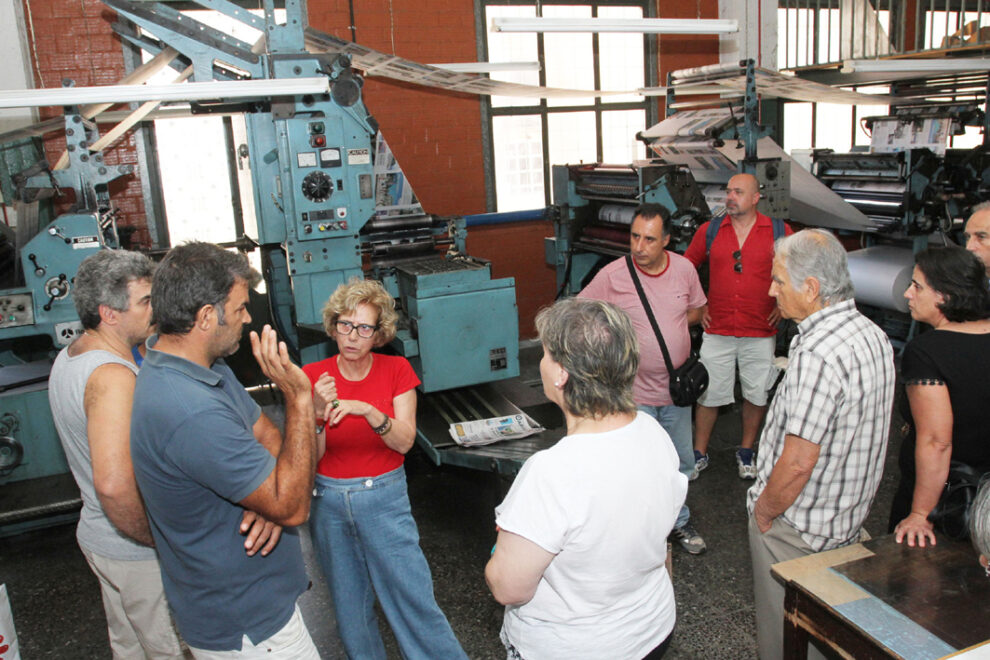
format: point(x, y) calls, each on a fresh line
point(197, 190)
point(512, 47)
point(572, 138)
point(197, 193)
point(619, 143)
point(834, 126)
point(518, 146)
point(620, 57)
point(569, 59)
point(972, 138)
point(797, 122)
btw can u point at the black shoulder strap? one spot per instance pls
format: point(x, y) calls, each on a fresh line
point(649, 314)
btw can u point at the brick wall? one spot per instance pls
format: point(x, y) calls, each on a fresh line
point(436, 136)
point(74, 40)
point(516, 250)
point(682, 51)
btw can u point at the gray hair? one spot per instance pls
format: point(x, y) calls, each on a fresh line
point(979, 520)
point(979, 208)
point(192, 276)
point(103, 279)
point(595, 343)
point(817, 253)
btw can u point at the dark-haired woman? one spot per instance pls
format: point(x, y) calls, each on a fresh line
point(945, 374)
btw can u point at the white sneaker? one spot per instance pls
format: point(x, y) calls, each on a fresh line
point(746, 463)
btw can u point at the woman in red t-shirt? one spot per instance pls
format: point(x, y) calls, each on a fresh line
point(362, 526)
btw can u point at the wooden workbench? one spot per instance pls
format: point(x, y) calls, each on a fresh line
point(881, 599)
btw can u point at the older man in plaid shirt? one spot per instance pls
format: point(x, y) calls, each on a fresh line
point(822, 449)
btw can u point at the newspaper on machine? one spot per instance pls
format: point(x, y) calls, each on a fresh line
point(486, 431)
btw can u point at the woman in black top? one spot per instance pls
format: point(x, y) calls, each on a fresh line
point(946, 374)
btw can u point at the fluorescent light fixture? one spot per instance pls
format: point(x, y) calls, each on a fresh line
point(638, 25)
point(488, 67)
point(196, 91)
point(929, 65)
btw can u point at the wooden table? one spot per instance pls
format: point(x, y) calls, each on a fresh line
point(881, 599)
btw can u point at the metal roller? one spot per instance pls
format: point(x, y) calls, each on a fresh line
point(616, 213)
point(399, 223)
point(709, 71)
point(616, 235)
point(390, 254)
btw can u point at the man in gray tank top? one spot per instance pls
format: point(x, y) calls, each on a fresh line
point(90, 391)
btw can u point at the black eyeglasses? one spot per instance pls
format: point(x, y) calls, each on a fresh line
point(364, 330)
point(737, 255)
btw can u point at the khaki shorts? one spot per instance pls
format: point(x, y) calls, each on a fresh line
point(138, 618)
point(720, 354)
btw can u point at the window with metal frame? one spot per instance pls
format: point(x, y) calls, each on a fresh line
point(813, 33)
point(524, 136)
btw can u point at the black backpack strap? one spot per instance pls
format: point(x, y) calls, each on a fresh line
point(713, 226)
point(779, 229)
point(649, 314)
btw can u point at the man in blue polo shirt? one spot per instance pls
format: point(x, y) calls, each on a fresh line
point(204, 453)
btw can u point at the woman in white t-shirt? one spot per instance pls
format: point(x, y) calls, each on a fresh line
point(582, 534)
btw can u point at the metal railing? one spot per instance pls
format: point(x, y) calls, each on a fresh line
point(814, 33)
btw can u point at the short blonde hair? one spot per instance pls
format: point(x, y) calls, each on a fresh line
point(357, 291)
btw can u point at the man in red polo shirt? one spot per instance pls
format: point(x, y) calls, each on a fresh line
point(741, 321)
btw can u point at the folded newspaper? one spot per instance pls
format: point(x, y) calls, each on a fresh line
point(486, 431)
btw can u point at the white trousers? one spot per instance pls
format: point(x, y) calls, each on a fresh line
point(292, 642)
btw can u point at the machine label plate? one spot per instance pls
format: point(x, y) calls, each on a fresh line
point(498, 358)
point(359, 156)
point(85, 242)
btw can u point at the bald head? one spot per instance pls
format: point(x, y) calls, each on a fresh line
point(742, 196)
point(978, 234)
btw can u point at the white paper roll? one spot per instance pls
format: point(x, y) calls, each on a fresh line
point(881, 275)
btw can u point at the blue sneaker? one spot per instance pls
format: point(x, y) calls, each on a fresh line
point(746, 464)
point(700, 463)
point(688, 538)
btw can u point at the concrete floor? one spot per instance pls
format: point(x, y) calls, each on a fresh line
point(58, 613)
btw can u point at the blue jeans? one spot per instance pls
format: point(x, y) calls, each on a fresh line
point(367, 543)
point(676, 421)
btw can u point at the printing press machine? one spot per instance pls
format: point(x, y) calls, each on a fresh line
point(890, 200)
point(911, 189)
point(325, 214)
point(908, 183)
point(593, 210)
point(697, 152)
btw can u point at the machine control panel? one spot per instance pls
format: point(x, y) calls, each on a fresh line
point(774, 176)
point(16, 309)
point(332, 192)
point(325, 220)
